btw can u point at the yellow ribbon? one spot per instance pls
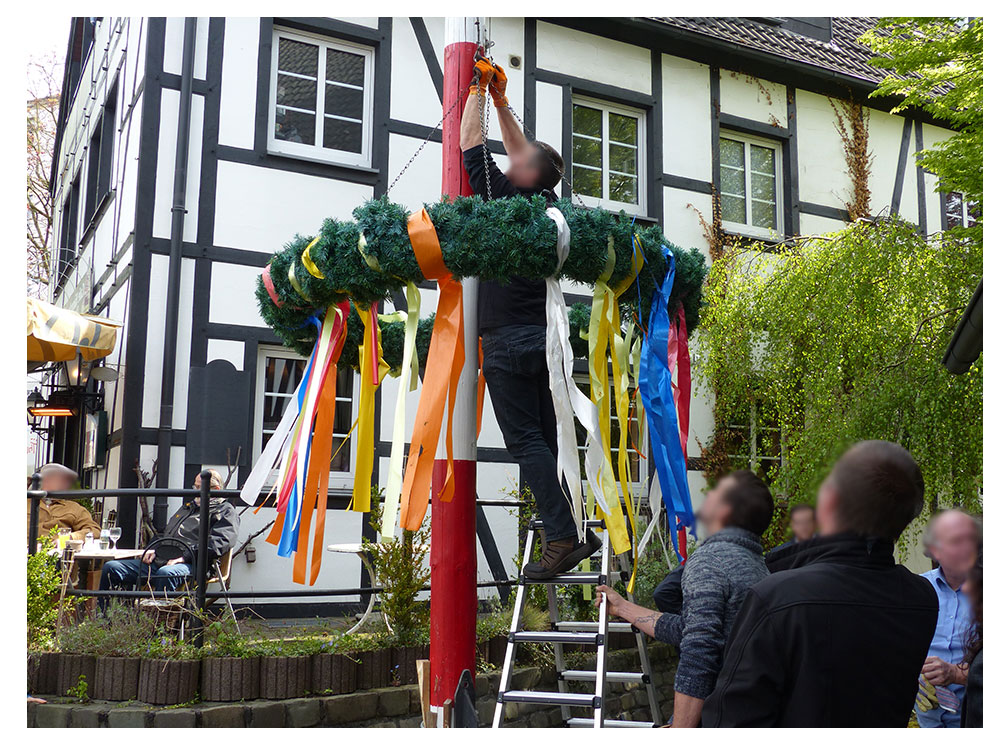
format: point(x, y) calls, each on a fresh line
point(369, 352)
point(307, 261)
point(602, 317)
point(295, 282)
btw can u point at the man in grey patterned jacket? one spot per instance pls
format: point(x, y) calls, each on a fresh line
point(715, 581)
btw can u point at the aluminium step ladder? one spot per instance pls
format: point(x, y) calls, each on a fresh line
point(574, 633)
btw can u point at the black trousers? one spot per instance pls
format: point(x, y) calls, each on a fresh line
point(518, 378)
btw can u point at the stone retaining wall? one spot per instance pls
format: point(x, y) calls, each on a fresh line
point(384, 707)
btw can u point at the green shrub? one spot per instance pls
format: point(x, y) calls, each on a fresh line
point(44, 581)
point(121, 631)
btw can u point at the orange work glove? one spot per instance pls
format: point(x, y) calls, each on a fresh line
point(482, 74)
point(498, 87)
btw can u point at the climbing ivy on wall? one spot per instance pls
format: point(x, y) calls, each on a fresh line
point(840, 339)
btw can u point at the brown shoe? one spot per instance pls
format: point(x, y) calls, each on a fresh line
point(562, 556)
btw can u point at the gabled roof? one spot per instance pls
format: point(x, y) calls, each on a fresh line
point(840, 53)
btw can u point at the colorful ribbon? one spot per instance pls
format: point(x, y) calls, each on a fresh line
point(656, 389)
point(444, 365)
point(373, 369)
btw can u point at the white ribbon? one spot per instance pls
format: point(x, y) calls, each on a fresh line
point(408, 376)
point(276, 444)
point(567, 398)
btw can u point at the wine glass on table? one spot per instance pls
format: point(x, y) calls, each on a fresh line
point(115, 534)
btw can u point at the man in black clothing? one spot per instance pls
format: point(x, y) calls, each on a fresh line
point(838, 635)
point(512, 326)
point(169, 565)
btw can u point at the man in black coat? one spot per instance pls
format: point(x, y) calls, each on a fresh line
point(837, 635)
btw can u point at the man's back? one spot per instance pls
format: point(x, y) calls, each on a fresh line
point(837, 640)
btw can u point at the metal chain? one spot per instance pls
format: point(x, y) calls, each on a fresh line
point(484, 107)
point(423, 143)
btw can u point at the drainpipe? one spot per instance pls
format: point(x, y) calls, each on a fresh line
point(178, 210)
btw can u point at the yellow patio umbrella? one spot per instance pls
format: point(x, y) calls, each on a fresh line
point(56, 335)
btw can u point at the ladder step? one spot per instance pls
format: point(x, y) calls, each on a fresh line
point(591, 627)
point(567, 579)
point(554, 636)
point(589, 675)
point(611, 723)
point(550, 699)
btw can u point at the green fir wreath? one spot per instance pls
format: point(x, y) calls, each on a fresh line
point(495, 240)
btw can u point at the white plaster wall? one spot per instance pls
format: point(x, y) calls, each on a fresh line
point(593, 58)
point(238, 105)
point(262, 209)
point(421, 183)
point(371, 22)
point(681, 224)
point(885, 132)
point(166, 152)
point(809, 224)
point(414, 98)
point(157, 306)
point(687, 131)
point(232, 298)
point(173, 47)
point(753, 98)
point(823, 177)
point(228, 350)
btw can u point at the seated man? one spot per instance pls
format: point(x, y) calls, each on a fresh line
point(56, 512)
point(837, 635)
point(715, 580)
point(168, 573)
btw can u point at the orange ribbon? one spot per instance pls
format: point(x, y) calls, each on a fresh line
point(444, 365)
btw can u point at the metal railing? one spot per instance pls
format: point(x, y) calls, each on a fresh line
point(36, 495)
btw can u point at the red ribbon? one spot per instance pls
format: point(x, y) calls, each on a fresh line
point(269, 286)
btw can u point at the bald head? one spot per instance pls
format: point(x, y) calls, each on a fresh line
point(953, 538)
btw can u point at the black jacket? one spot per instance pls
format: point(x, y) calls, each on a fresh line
point(519, 301)
point(224, 527)
point(836, 639)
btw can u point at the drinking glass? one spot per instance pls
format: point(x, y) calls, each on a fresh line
point(116, 534)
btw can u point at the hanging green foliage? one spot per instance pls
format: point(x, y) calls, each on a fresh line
point(840, 339)
point(490, 240)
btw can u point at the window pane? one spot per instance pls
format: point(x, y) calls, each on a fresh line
point(587, 121)
point(761, 159)
point(622, 159)
point(953, 210)
point(342, 135)
point(344, 101)
point(586, 151)
point(733, 181)
point(733, 209)
point(294, 127)
point(761, 187)
point(296, 92)
point(624, 129)
point(763, 214)
point(587, 181)
point(731, 153)
point(298, 57)
point(274, 407)
point(282, 375)
point(345, 67)
point(974, 214)
point(623, 189)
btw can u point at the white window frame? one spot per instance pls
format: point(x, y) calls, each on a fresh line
point(606, 108)
point(316, 151)
point(339, 480)
point(779, 189)
point(965, 210)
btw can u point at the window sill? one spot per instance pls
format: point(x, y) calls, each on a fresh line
point(102, 207)
point(362, 168)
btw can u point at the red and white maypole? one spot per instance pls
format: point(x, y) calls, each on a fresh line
point(454, 597)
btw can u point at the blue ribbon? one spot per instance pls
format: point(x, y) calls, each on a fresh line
point(289, 540)
point(661, 415)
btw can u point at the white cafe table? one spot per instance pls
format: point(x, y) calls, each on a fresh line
point(103, 555)
point(359, 550)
